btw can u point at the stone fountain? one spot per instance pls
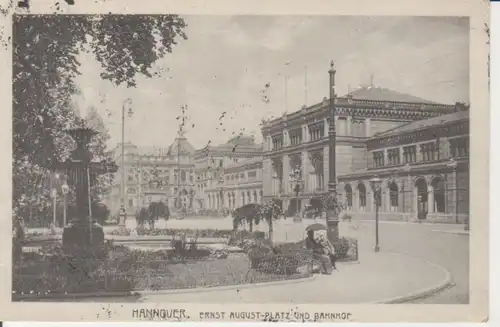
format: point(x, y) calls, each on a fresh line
point(82, 234)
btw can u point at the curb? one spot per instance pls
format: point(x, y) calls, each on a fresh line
point(455, 232)
point(225, 288)
point(422, 293)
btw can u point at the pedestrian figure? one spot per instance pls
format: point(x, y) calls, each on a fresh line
point(319, 253)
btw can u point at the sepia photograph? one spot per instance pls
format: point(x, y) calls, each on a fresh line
point(235, 159)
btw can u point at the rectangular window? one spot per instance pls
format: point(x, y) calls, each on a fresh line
point(252, 174)
point(410, 154)
point(277, 141)
point(378, 158)
point(316, 131)
point(295, 136)
point(459, 147)
point(393, 156)
point(428, 151)
point(242, 176)
point(130, 203)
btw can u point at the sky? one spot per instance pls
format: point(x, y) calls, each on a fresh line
point(226, 61)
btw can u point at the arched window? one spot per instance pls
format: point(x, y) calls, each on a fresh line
point(393, 196)
point(255, 196)
point(348, 196)
point(362, 196)
point(243, 198)
point(439, 194)
point(249, 197)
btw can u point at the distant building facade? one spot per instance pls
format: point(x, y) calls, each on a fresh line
point(241, 184)
point(153, 175)
point(424, 168)
point(299, 141)
point(211, 163)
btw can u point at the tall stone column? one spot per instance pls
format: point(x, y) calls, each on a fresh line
point(305, 170)
point(409, 195)
point(349, 126)
point(305, 133)
point(286, 138)
point(430, 199)
point(368, 127)
point(286, 174)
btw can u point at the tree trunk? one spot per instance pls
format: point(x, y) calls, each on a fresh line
point(271, 231)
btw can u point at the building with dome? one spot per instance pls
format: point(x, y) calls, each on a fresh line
point(155, 174)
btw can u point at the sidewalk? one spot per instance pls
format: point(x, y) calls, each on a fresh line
point(379, 277)
point(453, 231)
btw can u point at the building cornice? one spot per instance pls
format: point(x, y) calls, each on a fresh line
point(316, 145)
point(360, 109)
point(417, 168)
point(423, 134)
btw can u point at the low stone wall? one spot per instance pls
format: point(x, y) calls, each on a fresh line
point(444, 218)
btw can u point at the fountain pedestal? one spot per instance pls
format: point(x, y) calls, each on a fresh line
point(83, 236)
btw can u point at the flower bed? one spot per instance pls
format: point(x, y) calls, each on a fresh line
point(124, 270)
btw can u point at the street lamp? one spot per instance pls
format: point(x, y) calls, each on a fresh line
point(296, 184)
point(332, 219)
point(65, 190)
point(376, 187)
point(53, 194)
point(130, 112)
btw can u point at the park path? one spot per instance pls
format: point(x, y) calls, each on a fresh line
point(378, 276)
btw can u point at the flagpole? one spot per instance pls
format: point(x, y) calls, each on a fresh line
point(286, 92)
point(305, 86)
point(286, 85)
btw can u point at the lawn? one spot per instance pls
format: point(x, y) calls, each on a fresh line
point(125, 270)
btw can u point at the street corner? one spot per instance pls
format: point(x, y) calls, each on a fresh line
point(399, 278)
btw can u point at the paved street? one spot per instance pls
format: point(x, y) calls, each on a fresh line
point(451, 251)
point(422, 241)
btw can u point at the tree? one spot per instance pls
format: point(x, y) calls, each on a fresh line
point(251, 213)
point(155, 211)
point(45, 62)
point(141, 216)
point(271, 211)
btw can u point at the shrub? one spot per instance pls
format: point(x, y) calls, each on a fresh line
point(342, 247)
point(279, 264)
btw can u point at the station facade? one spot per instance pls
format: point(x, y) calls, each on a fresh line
point(298, 142)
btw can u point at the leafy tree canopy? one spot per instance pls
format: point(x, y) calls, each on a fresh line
point(45, 62)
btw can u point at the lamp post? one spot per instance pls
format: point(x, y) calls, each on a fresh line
point(65, 190)
point(376, 187)
point(53, 194)
point(332, 219)
point(296, 185)
point(130, 112)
